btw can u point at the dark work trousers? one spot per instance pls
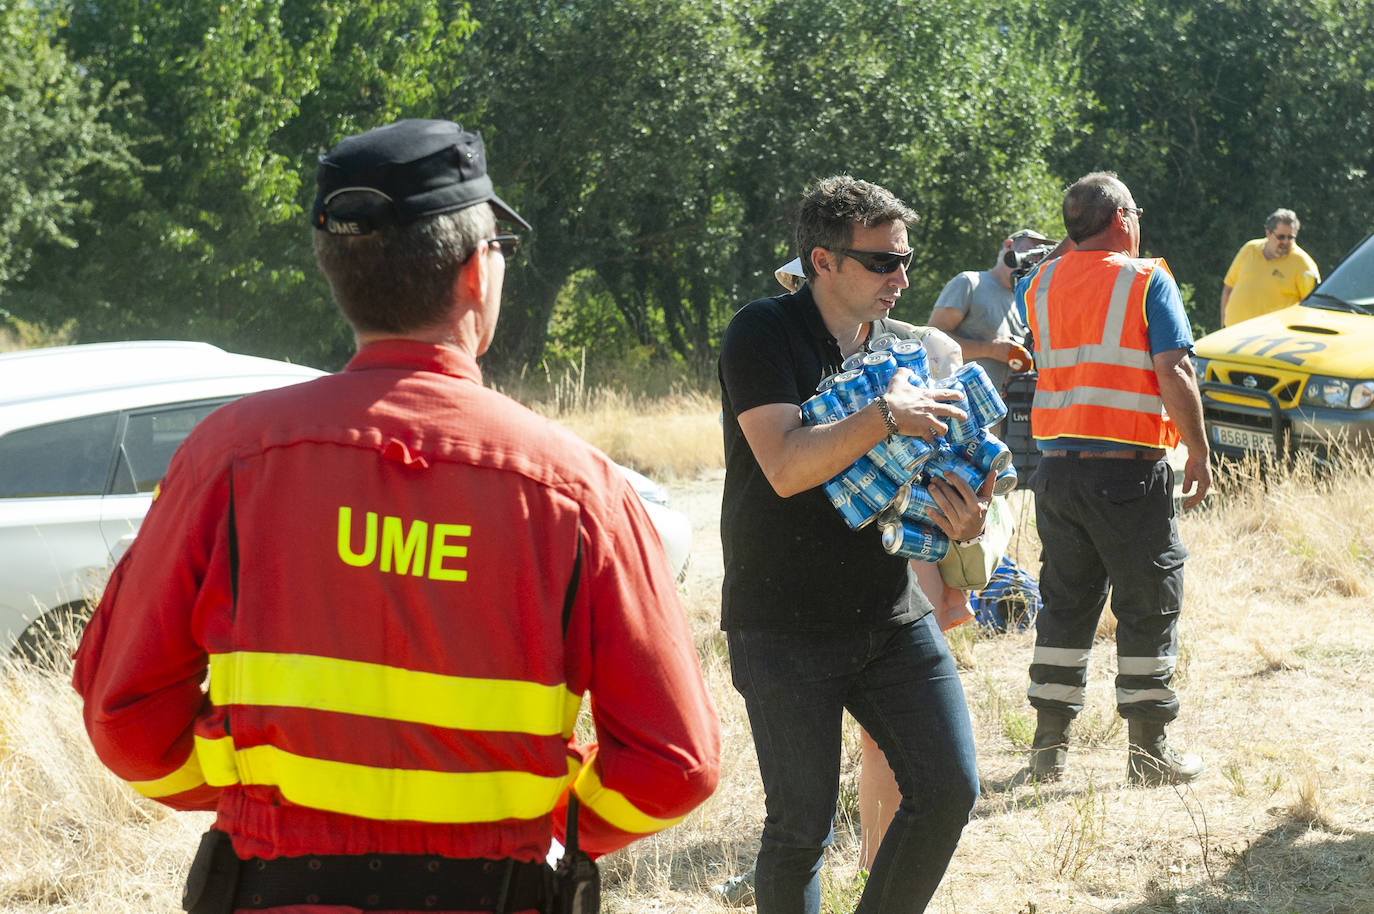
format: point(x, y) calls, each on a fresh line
point(1107, 523)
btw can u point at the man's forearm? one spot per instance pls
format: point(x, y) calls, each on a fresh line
point(981, 349)
point(1178, 389)
point(796, 457)
point(822, 452)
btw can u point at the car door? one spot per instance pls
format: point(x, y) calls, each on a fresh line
point(52, 483)
point(146, 441)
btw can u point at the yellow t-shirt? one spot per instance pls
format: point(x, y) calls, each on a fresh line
point(1259, 286)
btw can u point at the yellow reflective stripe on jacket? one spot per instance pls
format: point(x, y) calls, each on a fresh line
point(187, 777)
point(392, 693)
point(384, 793)
point(613, 806)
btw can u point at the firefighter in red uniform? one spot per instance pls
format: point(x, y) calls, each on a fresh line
point(400, 584)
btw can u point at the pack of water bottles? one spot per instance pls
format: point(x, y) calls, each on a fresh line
point(888, 485)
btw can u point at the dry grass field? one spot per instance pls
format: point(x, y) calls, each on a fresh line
point(1275, 676)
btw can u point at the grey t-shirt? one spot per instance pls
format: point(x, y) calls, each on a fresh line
point(989, 311)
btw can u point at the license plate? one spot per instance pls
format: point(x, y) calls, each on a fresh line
point(1243, 438)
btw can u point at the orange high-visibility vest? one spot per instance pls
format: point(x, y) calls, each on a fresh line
point(1092, 349)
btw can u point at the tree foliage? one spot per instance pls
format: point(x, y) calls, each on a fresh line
point(672, 175)
point(52, 132)
point(162, 155)
point(610, 123)
point(230, 105)
point(926, 99)
point(1216, 114)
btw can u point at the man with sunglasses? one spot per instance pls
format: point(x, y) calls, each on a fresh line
point(819, 619)
point(401, 584)
point(1116, 390)
point(1268, 273)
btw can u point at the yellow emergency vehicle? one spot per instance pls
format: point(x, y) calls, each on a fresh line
point(1299, 380)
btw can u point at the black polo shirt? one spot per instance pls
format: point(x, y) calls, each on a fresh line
point(793, 563)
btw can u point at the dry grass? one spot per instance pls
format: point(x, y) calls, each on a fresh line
point(72, 838)
point(668, 436)
point(669, 439)
point(1276, 664)
point(16, 334)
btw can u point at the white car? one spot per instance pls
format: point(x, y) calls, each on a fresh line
point(86, 433)
point(674, 528)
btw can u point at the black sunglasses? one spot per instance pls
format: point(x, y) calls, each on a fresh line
point(508, 245)
point(880, 261)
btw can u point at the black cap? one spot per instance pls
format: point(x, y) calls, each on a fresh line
point(406, 171)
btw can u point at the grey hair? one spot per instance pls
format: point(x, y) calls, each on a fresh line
point(1090, 203)
point(1282, 215)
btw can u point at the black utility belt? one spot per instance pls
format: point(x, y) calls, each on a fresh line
point(220, 882)
point(1151, 454)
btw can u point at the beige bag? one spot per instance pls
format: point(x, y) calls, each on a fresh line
point(970, 567)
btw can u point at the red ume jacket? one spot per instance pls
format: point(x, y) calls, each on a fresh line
point(373, 568)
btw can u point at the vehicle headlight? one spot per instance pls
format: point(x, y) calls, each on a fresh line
point(1329, 392)
point(1200, 367)
point(1337, 393)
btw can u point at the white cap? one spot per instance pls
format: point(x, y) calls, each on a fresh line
point(790, 275)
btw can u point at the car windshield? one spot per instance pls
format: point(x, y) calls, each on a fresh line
point(1351, 284)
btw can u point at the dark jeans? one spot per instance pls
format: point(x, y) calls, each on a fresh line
point(901, 685)
point(1107, 524)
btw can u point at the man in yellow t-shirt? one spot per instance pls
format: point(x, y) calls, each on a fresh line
point(1268, 273)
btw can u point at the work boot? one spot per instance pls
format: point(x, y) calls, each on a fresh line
point(1153, 762)
point(1050, 748)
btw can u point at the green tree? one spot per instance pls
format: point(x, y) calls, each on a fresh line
point(1217, 113)
point(233, 104)
point(657, 147)
point(609, 125)
point(672, 173)
point(949, 104)
point(51, 132)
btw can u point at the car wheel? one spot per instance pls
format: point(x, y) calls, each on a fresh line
point(49, 639)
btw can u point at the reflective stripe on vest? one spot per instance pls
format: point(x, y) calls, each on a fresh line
point(614, 807)
point(320, 683)
point(391, 693)
point(1102, 387)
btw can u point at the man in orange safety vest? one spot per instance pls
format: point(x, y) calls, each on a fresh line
point(1116, 390)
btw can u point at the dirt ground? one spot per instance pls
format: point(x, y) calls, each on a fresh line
point(699, 499)
point(1276, 660)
